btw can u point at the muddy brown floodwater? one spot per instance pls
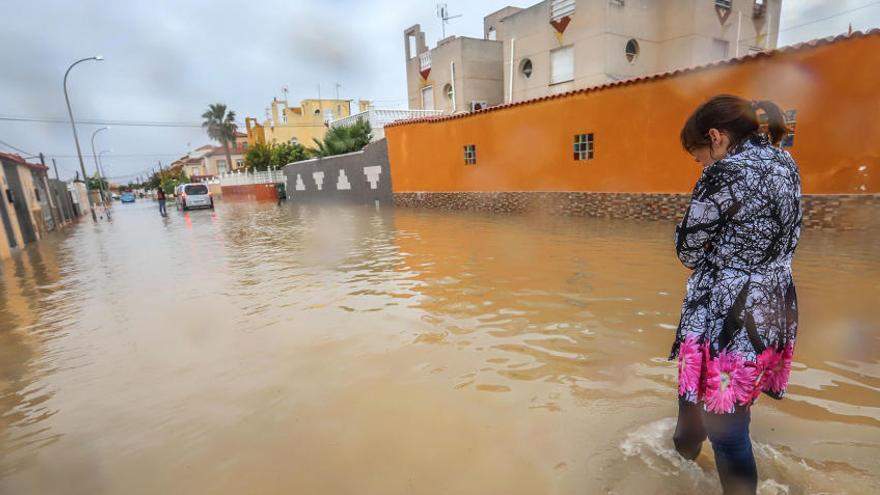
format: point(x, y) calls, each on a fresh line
point(259, 349)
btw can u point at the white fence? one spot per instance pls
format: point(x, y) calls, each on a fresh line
point(246, 178)
point(380, 117)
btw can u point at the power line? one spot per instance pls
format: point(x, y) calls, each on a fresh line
point(120, 123)
point(30, 155)
point(814, 21)
point(830, 16)
point(123, 155)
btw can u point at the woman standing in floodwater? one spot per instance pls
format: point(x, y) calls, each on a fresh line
point(739, 316)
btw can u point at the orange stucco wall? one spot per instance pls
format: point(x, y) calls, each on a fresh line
point(528, 147)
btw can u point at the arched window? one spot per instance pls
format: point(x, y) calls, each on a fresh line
point(525, 68)
point(632, 51)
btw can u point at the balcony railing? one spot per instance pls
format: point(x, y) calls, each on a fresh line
point(380, 117)
point(425, 60)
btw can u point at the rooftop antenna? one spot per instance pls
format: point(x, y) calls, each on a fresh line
point(284, 90)
point(443, 14)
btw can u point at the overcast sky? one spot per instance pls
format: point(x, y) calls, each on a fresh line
point(167, 60)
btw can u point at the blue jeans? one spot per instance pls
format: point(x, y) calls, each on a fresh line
point(729, 434)
point(162, 207)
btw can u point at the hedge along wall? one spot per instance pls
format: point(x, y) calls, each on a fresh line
point(831, 84)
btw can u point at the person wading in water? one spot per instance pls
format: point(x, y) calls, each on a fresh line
point(160, 195)
point(739, 317)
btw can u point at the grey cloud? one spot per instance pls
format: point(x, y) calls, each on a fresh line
point(167, 60)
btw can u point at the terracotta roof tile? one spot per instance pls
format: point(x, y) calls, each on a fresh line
point(650, 77)
point(13, 157)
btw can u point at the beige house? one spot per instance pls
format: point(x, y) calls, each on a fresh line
point(459, 74)
point(209, 161)
point(23, 192)
point(560, 45)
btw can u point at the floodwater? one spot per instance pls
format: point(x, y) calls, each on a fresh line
point(262, 349)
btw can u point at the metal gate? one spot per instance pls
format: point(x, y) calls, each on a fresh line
point(19, 202)
point(7, 223)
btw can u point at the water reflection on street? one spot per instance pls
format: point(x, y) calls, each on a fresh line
point(265, 349)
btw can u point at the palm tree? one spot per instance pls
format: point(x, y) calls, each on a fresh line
point(220, 125)
point(340, 140)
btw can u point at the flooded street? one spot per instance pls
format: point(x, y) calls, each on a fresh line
point(262, 349)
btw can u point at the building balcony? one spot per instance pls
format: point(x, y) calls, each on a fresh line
point(425, 60)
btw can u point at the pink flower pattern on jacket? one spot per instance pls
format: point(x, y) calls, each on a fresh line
point(729, 381)
point(690, 366)
point(777, 370)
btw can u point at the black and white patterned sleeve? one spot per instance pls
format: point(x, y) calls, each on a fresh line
point(712, 203)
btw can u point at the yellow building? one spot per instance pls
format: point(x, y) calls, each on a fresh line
point(302, 124)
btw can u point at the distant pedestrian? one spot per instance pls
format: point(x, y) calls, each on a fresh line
point(740, 316)
point(160, 195)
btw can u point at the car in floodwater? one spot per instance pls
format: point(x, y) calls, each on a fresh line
point(192, 195)
point(127, 197)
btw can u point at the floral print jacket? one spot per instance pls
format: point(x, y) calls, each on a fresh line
point(739, 317)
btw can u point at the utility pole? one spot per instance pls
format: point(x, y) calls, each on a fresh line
point(50, 193)
point(55, 166)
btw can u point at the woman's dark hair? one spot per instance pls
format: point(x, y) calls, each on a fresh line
point(736, 117)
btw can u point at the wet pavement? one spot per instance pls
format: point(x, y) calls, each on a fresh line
point(264, 349)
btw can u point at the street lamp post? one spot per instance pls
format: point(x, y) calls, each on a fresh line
point(75, 138)
point(97, 164)
point(100, 164)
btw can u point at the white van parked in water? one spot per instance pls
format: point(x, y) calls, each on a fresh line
point(193, 196)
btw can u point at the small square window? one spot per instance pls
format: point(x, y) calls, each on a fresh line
point(583, 146)
point(470, 154)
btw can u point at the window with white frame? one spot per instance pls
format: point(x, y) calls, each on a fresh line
point(221, 166)
point(470, 154)
point(195, 171)
point(583, 146)
point(562, 64)
point(239, 163)
point(428, 98)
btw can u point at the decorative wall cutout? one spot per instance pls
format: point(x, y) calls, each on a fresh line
point(372, 174)
point(342, 183)
point(559, 26)
point(319, 179)
point(300, 185)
